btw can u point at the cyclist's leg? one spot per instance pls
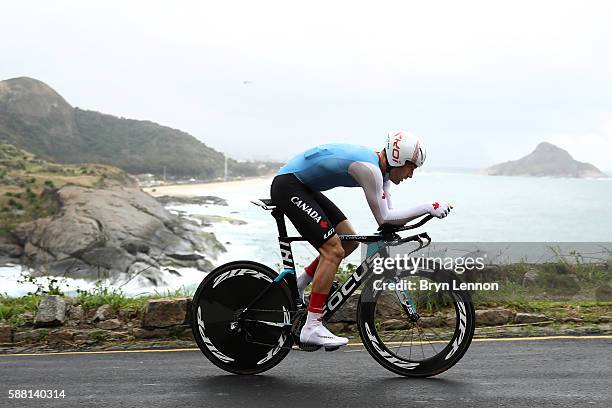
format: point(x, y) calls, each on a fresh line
point(346, 228)
point(301, 206)
point(331, 254)
point(342, 226)
point(313, 332)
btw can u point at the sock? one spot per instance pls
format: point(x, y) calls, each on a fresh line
point(306, 277)
point(310, 269)
point(313, 319)
point(302, 281)
point(317, 302)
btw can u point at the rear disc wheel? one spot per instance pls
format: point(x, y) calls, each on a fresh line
point(258, 340)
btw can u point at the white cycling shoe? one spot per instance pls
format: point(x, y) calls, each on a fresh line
point(318, 335)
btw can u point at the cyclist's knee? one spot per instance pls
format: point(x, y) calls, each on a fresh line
point(332, 250)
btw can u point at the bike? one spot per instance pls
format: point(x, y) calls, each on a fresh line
point(246, 317)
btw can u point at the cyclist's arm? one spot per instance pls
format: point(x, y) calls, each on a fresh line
point(387, 191)
point(370, 179)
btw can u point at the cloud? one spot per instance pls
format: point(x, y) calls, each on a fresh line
point(594, 146)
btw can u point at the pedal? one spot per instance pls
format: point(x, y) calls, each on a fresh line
point(309, 348)
point(332, 348)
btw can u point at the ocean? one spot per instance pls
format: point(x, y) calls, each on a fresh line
point(486, 209)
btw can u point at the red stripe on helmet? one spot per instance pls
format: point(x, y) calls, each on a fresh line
point(415, 154)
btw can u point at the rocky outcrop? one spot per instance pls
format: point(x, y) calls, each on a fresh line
point(119, 233)
point(196, 200)
point(51, 312)
point(546, 160)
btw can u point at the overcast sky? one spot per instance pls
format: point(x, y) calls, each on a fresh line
point(480, 82)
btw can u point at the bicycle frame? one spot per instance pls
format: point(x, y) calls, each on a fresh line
point(376, 249)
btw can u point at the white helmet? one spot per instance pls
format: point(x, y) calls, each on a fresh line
point(403, 146)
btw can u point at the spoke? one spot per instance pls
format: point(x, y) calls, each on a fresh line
point(435, 333)
point(421, 343)
point(402, 343)
point(411, 335)
point(434, 349)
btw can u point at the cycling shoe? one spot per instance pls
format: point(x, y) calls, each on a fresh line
point(318, 335)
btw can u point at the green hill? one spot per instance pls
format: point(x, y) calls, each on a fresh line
point(35, 117)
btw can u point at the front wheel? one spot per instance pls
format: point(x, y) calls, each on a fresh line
point(242, 343)
point(419, 329)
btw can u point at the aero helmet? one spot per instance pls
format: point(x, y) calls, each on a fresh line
point(403, 146)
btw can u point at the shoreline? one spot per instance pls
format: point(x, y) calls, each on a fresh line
point(197, 189)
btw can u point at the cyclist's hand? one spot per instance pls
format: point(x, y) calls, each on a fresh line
point(440, 210)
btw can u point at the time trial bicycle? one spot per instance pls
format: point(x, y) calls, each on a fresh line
point(246, 317)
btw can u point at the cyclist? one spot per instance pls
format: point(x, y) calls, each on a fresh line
point(296, 190)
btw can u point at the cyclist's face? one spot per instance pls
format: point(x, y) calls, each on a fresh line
point(399, 174)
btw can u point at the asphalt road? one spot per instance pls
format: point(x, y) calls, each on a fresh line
point(559, 373)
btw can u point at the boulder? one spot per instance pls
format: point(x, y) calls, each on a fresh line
point(110, 324)
point(431, 321)
point(340, 327)
point(11, 250)
point(36, 335)
point(6, 334)
point(146, 274)
point(104, 232)
point(494, 317)
point(76, 313)
point(396, 324)
point(140, 333)
point(166, 312)
point(61, 336)
point(51, 312)
point(27, 318)
point(530, 318)
point(104, 312)
point(388, 307)
point(530, 278)
point(348, 312)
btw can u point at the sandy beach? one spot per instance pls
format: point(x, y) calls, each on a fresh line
point(194, 190)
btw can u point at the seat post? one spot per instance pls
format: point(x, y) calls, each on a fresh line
point(285, 245)
point(280, 223)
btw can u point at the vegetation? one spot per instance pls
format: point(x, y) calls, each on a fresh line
point(34, 117)
point(545, 295)
point(27, 184)
point(14, 309)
